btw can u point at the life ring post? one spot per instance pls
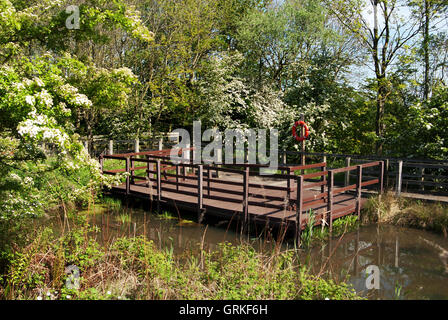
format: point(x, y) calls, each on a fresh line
point(304, 135)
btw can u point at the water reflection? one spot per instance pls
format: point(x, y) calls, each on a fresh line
point(412, 263)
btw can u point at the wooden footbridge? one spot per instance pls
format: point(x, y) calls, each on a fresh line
point(239, 192)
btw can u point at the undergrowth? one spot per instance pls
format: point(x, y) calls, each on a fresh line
point(407, 212)
point(134, 268)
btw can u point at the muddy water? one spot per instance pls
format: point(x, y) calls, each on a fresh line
point(413, 264)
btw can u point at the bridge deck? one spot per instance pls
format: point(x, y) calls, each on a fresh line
point(244, 194)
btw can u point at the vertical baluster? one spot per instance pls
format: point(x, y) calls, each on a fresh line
point(358, 190)
point(330, 200)
point(128, 184)
point(299, 209)
point(200, 193)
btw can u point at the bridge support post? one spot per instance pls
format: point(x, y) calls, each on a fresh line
point(159, 185)
point(177, 177)
point(330, 185)
point(200, 193)
point(209, 177)
point(128, 178)
point(323, 179)
point(358, 190)
point(246, 197)
point(381, 178)
point(386, 173)
point(299, 209)
point(289, 187)
point(111, 147)
point(347, 173)
point(399, 177)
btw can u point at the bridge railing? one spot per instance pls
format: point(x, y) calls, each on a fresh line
point(328, 195)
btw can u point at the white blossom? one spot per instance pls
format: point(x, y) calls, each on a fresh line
point(30, 100)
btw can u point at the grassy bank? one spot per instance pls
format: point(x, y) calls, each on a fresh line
point(134, 268)
point(407, 212)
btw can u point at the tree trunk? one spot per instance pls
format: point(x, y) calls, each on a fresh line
point(426, 49)
point(380, 105)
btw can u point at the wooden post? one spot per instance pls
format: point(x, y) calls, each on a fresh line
point(161, 143)
point(128, 181)
point(219, 151)
point(330, 185)
point(209, 177)
point(147, 171)
point(422, 178)
point(101, 160)
point(299, 209)
point(137, 145)
point(132, 170)
point(284, 160)
point(302, 158)
point(399, 177)
point(386, 173)
point(159, 185)
point(358, 190)
point(177, 177)
point(200, 193)
point(347, 173)
point(323, 179)
point(111, 147)
point(288, 184)
point(381, 178)
point(246, 196)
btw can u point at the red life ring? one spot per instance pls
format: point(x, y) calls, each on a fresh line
point(303, 125)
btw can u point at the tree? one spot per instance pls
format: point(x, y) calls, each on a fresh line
point(429, 12)
point(384, 39)
point(43, 89)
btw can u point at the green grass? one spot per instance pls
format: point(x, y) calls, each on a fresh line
point(124, 218)
point(312, 234)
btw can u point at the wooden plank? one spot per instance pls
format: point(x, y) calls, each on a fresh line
point(344, 189)
point(371, 164)
point(425, 165)
point(309, 166)
point(315, 175)
point(370, 182)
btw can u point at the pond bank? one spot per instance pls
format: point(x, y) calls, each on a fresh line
point(405, 212)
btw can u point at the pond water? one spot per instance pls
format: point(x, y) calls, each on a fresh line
point(413, 264)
